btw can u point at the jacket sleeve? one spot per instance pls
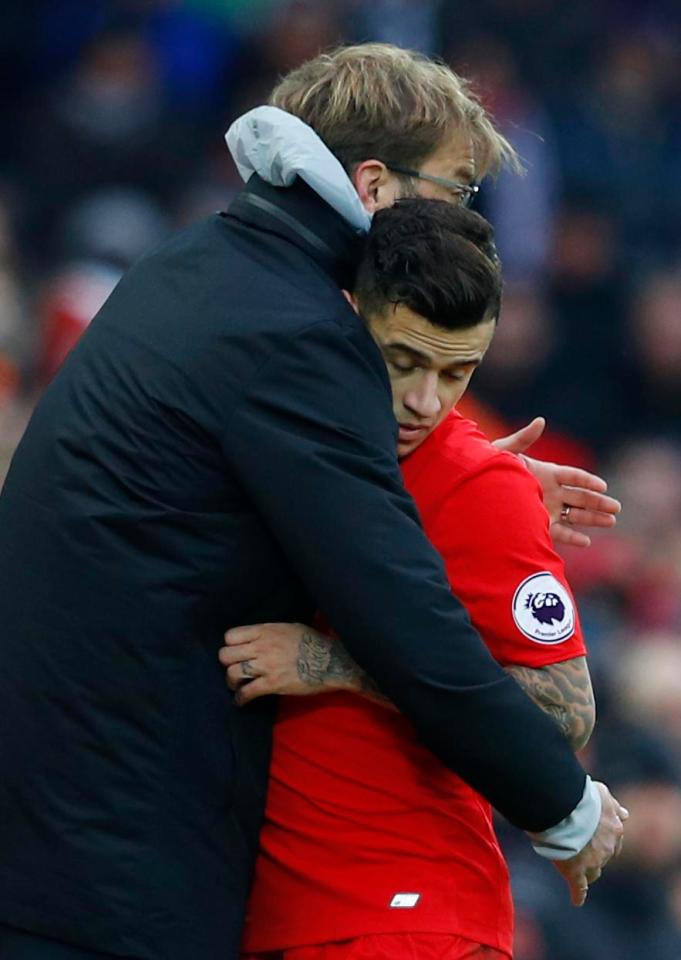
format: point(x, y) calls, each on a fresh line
point(313, 443)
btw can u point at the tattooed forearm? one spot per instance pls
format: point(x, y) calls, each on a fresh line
point(325, 662)
point(563, 690)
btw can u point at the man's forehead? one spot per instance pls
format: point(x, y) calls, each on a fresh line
point(404, 328)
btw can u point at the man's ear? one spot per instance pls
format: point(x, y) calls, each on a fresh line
point(352, 300)
point(375, 185)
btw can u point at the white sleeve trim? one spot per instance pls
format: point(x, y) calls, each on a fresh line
point(572, 834)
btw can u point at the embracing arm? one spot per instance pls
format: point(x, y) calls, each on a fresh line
point(296, 660)
point(563, 690)
point(311, 441)
point(323, 664)
point(292, 659)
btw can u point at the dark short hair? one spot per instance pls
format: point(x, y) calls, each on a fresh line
point(436, 258)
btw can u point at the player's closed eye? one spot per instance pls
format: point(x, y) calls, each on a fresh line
point(404, 367)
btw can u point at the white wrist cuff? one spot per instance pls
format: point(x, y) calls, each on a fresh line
point(572, 834)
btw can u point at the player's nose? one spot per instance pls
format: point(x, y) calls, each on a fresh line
point(425, 402)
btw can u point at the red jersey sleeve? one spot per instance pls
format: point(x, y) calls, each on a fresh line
point(493, 534)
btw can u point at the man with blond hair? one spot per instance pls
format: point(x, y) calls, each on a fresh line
point(219, 449)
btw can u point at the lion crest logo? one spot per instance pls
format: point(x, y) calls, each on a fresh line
point(543, 609)
point(546, 607)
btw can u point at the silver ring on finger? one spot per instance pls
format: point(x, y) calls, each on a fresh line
point(565, 513)
point(247, 670)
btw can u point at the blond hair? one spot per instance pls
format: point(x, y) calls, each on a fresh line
point(378, 101)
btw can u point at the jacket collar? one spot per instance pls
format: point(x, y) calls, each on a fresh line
point(299, 215)
point(280, 147)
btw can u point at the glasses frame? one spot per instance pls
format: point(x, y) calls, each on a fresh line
point(468, 190)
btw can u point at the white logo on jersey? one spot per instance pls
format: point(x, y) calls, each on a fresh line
point(543, 609)
point(405, 900)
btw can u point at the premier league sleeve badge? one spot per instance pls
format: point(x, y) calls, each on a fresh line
point(543, 609)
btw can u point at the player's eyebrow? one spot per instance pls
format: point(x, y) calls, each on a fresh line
point(396, 345)
point(405, 348)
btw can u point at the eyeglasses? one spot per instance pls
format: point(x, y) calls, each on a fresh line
point(465, 192)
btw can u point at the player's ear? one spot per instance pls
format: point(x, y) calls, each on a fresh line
point(352, 300)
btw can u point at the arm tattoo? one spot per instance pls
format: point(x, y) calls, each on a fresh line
point(563, 690)
point(325, 662)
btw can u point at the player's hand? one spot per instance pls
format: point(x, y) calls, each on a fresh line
point(275, 658)
point(584, 869)
point(573, 497)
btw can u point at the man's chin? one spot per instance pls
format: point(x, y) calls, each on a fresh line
point(404, 449)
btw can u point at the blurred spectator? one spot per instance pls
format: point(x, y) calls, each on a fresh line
point(402, 22)
point(197, 52)
point(620, 117)
point(116, 225)
point(629, 914)
point(523, 375)
point(635, 569)
point(106, 124)
point(14, 329)
point(647, 689)
point(588, 297)
point(296, 31)
point(518, 206)
point(653, 357)
point(70, 301)
point(101, 237)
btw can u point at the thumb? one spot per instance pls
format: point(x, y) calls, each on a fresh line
point(522, 439)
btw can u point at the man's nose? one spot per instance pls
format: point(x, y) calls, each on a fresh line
point(425, 402)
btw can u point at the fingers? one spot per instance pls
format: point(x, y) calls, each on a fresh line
point(607, 798)
point(590, 501)
point(561, 533)
point(588, 865)
point(579, 881)
point(240, 673)
point(615, 844)
point(586, 509)
point(579, 890)
point(236, 654)
point(248, 671)
point(268, 653)
point(240, 635)
point(590, 518)
point(582, 479)
point(607, 840)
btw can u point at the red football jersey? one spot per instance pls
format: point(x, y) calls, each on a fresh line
point(366, 832)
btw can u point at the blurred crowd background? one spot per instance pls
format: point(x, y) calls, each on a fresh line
point(113, 115)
